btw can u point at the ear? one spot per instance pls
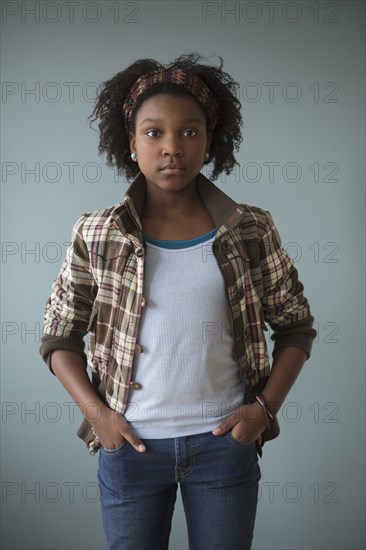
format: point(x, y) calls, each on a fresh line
point(132, 141)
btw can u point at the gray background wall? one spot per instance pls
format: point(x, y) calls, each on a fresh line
point(300, 66)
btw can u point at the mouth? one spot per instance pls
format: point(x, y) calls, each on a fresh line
point(172, 168)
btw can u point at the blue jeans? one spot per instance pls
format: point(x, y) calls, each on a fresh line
point(218, 479)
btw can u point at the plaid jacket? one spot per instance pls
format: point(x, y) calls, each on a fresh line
point(100, 290)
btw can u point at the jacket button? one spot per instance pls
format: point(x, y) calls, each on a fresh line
point(138, 348)
point(139, 252)
point(135, 386)
point(143, 301)
point(239, 294)
point(225, 247)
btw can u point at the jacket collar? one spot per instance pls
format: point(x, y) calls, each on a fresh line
point(224, 211)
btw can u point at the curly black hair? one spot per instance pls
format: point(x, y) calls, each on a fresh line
point(114, 138)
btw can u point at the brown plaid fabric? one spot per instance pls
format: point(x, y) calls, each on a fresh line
point(100, 290)
point(193, 83)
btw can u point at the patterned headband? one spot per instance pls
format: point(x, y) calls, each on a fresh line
point(193, 83)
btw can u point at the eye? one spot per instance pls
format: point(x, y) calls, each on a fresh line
point(152, 131)
point(190, 132)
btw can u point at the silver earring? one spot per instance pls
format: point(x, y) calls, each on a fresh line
point(207, 155)
point(134, 156)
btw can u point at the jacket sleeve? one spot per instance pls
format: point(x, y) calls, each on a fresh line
point(285, 307)
point(68, 308)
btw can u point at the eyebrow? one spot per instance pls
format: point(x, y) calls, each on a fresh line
point(197, 120)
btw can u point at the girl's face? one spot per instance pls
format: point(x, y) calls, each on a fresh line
point(170, 140)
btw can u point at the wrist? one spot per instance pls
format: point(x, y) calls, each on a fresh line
point(94, 412)
point(272, 406)
point(267, 413)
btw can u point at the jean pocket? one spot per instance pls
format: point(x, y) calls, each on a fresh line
point(238, 443)
point(115, 450)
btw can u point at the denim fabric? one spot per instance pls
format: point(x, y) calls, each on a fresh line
point(218, 478)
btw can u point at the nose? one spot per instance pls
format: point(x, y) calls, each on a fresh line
point(172, 146)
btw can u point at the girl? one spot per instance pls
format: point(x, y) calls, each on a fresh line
point(175, 286)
